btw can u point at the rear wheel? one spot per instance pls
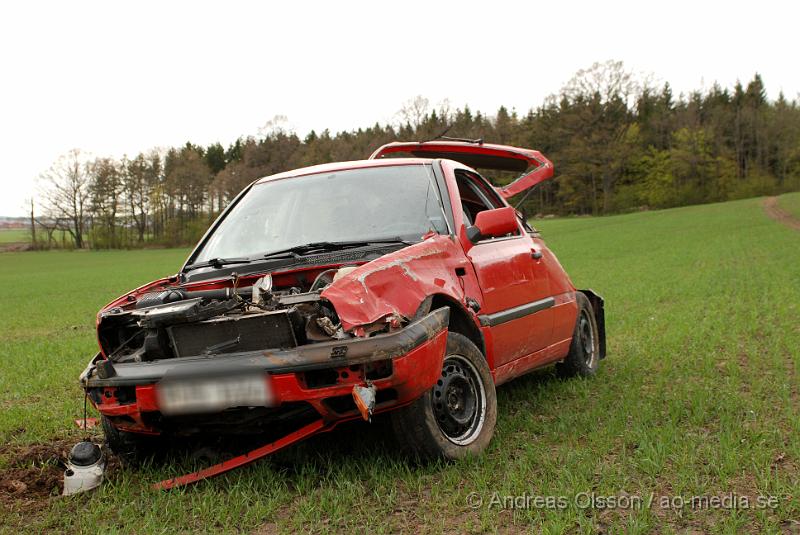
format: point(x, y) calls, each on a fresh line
point(584, 351)
point(456, 417)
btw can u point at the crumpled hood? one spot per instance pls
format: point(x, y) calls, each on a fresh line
point(396, 283)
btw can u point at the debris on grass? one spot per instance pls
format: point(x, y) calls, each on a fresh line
point(85, 468)
point(86, 423)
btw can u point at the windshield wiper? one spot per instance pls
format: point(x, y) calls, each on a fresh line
point(297, 250)
point(217, 263)
point(321, 246)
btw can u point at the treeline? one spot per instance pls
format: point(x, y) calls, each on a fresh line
point(618, 145)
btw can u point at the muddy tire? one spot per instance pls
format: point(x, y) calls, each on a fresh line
point(584, 351)
point(456, 417)
point(131, 448)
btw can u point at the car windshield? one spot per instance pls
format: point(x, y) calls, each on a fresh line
point(375, 203)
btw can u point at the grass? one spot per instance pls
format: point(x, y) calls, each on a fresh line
point(699, 396)
point(49, 303)
point(15, 235)
point(790, 202)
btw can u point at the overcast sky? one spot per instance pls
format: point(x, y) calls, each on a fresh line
point(114, 78)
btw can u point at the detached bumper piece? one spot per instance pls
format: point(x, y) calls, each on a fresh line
point(259, 453)
point(323, 377)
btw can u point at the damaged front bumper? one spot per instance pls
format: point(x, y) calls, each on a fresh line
point(320, 375)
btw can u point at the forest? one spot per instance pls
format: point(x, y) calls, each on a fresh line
point(619, 144)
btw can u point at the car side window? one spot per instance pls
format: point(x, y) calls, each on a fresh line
point(493, 199)
point(474, 199)
point(488, 192)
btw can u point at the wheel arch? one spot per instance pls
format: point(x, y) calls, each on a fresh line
point(460, 320)
point(598, 307)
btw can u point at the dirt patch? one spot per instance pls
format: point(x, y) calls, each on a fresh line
point(27, 486)
point(53, 452)
point(32, 473)
point(778, 214)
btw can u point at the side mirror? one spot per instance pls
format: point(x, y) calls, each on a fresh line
point(493, 224)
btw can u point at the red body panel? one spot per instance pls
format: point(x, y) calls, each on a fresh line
point(399, 282)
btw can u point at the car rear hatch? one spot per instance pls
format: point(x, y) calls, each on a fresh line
point(534, 167)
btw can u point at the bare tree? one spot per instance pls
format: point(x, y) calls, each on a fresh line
point(608, 80)
point(105, 189)
point(66, 194)
point(445, 110)
point(279, 124)
point(414, 111)
point(139, 176)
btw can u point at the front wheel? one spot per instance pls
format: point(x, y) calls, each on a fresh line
point(456, 417)
point(131, 448)
point(584, 351)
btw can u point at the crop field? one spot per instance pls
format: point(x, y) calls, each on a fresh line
point(14, 235)
point(699, 397)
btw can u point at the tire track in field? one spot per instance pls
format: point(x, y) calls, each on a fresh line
point(781, 216)
point(775, 212)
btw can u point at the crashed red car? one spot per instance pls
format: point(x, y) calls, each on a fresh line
point(404, 284)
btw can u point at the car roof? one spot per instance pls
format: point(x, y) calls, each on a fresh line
point(342, 166)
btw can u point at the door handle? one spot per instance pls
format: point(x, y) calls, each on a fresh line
point(536, 255)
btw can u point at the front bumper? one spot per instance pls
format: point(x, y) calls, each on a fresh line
point(415, 353)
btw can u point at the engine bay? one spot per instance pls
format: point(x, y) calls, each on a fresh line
point(245, 315)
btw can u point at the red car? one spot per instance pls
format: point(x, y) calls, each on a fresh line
point(402, 283)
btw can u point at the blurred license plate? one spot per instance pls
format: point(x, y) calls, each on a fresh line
point(188, 396)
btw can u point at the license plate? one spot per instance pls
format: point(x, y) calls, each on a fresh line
point(188, 396)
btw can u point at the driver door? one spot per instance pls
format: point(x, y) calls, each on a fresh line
point(514, 283)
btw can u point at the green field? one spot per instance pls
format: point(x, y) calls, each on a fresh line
point(14, 235)
point(699, 396)
point(790, 203)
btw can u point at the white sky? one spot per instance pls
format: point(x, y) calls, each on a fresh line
point(120, 77)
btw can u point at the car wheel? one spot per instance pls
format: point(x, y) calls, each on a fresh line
point(456, 417)
point(131, 448)
point(584, 351)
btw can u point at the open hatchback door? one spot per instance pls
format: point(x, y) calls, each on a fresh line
point(534, 167)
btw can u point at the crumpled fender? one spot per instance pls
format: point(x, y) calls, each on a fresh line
point(397, 283)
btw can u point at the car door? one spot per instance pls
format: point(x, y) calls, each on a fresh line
point(513, 280)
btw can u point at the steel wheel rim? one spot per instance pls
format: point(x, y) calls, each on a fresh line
point(459, 401)
point(586, 334)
